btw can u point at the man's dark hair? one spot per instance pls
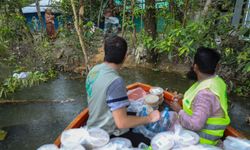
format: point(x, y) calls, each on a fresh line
point(115, 49)
point(206, 59)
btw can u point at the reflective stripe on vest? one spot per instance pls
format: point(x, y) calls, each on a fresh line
point(208, 136)
point(214, 128)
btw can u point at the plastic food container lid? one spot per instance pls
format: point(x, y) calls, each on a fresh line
point(163, 141)
point(121, 141)
point(151, 99)
point(98, 137)
point(156, 90)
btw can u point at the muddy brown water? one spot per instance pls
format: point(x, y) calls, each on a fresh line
point(30, 125)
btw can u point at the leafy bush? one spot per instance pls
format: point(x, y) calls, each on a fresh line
point(10, 85)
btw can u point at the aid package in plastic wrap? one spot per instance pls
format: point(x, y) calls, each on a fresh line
point(184, 138)
point(48, 147)
point(163, 141)
point(136, 99)
point(73, 137)
point(198, 147)
point(117, 143)
point(232, 143)
point(121, 141)
point(81, 138)
point(179, 138)
point(136, 106)
point(166, 123)
point(75, 147)
point(136, 94)
point(143, 130)
point(96, 138)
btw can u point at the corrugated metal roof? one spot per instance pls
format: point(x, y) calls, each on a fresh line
point(43, 5)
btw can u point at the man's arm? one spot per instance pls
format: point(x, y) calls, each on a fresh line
point(122, 120)
point(117, 100)
point(202, 110)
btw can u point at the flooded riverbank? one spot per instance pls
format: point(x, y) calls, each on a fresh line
point(34, 124)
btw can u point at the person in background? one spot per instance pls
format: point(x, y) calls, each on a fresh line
point(205, 102)
point(111, 24)
point(34, 24)
point(107, 95)
point(50, 23)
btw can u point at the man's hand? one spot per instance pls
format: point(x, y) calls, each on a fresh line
point(154, 116)
point(175, 106)
point(122, 120)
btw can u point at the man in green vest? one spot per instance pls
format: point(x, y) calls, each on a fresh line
point(205, 102)
point(107, 96)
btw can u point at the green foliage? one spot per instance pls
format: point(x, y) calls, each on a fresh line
point(146, 40)
point(41, 56)
point(180, 41)
point(10, 85)
point(91, 8)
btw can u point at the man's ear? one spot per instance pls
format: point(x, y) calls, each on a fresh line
point(217, 67)
point(196, 68)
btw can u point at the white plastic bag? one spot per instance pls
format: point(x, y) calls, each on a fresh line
point(232, 143)
point(73, 137)
point(143, 130)
point(96, 138)
point(48, 147)
point(21, 75)
point(136, 106)
point(136, 99)
point(75, 147)
point(125, 143)
point(178, 138)
point(184, 138)
point(163, 141)
point(198, 147)
point(110, 146)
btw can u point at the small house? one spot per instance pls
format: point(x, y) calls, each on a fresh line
point(30, 12)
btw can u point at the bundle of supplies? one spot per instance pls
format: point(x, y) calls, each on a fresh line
point(233, 143)
point(178, 138)
point(164, 124)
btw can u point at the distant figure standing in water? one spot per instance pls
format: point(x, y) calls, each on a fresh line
point(50, 23)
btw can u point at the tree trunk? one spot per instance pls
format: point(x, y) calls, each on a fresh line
point(123, 16)
point(76, 24)
point(39, 15)
point(81, 10)
point(172, 8)
point(150, 18)
point(150, 25)
point(206, 7)
point(185, 13)
point(133, 19)
point(100, 13)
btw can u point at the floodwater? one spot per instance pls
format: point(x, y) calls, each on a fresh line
point(30, 125)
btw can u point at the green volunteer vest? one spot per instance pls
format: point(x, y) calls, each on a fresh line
point(97, 83)
point(215, 127)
